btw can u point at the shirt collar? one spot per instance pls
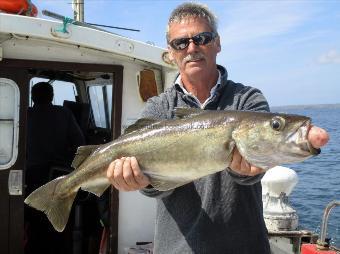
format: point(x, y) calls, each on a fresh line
point(179, 83)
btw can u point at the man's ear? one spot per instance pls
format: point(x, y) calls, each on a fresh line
point(170, 54)
point(218, 44)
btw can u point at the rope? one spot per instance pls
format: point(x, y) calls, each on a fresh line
point(66, 21)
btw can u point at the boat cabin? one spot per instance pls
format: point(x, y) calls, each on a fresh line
point(104, 79)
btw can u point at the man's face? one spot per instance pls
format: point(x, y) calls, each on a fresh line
point(205, 59)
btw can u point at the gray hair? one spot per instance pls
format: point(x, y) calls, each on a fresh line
point(192, 10)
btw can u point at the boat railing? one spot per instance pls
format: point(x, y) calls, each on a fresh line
point(322, 243)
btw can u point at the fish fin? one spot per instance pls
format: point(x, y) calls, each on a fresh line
point(162, 185)
point(97, 187)
point(139, 124)
point(188, 112)
point(57, 209)
point(82, 153)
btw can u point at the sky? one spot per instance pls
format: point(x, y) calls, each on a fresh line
point(290, 50)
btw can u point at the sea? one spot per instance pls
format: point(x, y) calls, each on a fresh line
point(319, 177)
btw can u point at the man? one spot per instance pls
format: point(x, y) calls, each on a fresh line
point(53, 136)
point(219, 213)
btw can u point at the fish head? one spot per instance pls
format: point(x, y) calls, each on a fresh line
point(270, 139)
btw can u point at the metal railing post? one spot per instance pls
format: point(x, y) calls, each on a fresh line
point(322, 244)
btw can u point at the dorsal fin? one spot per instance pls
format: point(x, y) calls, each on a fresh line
point(140, 123)
point(188, 112)
point(82, 153)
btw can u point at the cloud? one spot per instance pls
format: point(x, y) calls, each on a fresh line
point(249, 21)
point(330, 57)
point(263, 29)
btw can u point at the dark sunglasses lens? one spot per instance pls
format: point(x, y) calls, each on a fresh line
point(181, 43)
point(202, 38)
point(199, 39)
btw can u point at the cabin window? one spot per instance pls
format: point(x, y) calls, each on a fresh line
point(9, 122)
point(62, 90)
point(100, 95)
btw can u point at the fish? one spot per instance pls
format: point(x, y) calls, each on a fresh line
point(177, 151)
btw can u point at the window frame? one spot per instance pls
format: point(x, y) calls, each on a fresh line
point(106, 102)
point(16, 126)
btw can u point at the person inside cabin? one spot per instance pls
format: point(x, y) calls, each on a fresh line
point(222, 212)
point(53, 136)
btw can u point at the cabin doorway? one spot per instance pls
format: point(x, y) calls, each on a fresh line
point(93, 94)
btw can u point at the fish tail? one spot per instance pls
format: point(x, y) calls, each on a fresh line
point(56, 208)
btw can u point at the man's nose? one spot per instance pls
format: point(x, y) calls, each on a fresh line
point(192, 47)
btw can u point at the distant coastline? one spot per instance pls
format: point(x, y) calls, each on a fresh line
point(312, 106)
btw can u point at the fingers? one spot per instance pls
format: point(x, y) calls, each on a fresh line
point(242, 167)
point(128, 176)
point(125, 174)
point(255, 171)
point(317, 137)
point(109, 174)
point(140, 178)
point(117, 178)
point(236, 161)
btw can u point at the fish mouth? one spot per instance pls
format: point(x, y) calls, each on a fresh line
point(302, 138)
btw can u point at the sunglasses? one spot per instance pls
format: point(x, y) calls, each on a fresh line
point(199, 39)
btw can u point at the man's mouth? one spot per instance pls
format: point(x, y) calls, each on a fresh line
point(195, 60)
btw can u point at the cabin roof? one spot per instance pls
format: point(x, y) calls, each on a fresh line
point(21, 34)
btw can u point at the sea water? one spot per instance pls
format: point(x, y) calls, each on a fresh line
point(319, 177)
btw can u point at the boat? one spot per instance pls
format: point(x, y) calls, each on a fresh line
point(105, 80)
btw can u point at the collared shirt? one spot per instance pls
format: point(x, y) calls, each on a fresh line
point(179, 82)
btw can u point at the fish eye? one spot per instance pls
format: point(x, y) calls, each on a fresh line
point(277, 123)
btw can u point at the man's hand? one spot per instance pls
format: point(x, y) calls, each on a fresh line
point(125, 174)
point(242, 167)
